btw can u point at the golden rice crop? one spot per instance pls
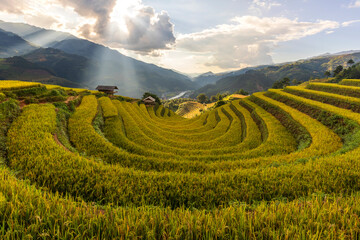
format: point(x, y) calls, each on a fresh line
point(350, 82)
point(9, 85)
point(236, 172)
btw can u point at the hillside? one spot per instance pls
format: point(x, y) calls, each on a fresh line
point(302, 70)
point(289, 157)
point(192, 109)
point(104, 66)
point(21, 69)
point(13, 45)
point(211, 78)
point(135, 76)
point(69, 66)
point(251, 81)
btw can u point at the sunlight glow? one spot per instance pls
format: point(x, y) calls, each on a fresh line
point(122, 9)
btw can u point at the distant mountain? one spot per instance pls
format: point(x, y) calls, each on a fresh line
point(13, 45)
point(133, 77)
point(18, 68)
point(211, 78)
point(38, 36)
point(337, 54)
point(207, 78)
point(262, 77)
point(100, 65)
point(251, 81)
point(69, 66)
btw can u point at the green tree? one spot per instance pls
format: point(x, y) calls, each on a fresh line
point(295, 82)
point(213, 99)
point(327, 74)
point(242, 92)
point(220, 103)
point(281, 83)
point(147, 94)
point(202, 98)
point(338, 70)
point(350, 62)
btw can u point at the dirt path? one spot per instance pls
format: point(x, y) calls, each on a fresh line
point(59, 143)
point(71, 98)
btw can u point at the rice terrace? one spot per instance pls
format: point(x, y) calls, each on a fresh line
point(180, 119)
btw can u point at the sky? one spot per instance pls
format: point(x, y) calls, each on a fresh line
point(197, 36)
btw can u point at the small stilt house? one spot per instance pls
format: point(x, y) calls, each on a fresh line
point(107, 89)
point(149, 101)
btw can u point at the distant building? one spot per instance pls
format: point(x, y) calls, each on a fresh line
point(107, 89)
point(149, 101)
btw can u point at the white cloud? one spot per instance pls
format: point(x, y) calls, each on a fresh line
point(125, 24)
point(267, 4)
point(248, 40)
point(258, 6)
point(354, 4)
point(348, 23)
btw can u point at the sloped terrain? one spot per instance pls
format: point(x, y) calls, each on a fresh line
point(85, 62)
point(281, 164)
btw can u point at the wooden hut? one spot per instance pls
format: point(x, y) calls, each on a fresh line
point(149, 101)
point(107, 89)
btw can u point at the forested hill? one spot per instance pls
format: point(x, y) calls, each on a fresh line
point(262, 78)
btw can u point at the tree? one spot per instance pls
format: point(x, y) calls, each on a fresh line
point(327, 74)
point(350, 62)
point(202, 98)
point(213, 99)
point(337, 70)
point(147, 94)
point(220, 103)
point(295, 82)
point(242, 92)
point(281, 83)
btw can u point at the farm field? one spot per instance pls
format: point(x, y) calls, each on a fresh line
point(281, 164)
point(192, 109)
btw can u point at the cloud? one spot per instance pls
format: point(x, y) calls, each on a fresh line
point(267, 4)
point(258, 6)
point(100, 10)
point(248, 40)
point(348, 23)
point(354, 4)
point(11, 6)
point(127, 24)
point(140, 27)
point(147, 32)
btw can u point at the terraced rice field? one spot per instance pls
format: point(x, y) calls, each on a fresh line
point(192, 109)
point(281, 164)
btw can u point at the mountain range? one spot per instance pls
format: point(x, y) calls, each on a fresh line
point(60, 58)
point(90, 64)
point(262, 77)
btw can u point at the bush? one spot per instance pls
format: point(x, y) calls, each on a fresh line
point(202, 98)
point(35, 91)
point(220, 103)
point(2, 97)
point(31, 100)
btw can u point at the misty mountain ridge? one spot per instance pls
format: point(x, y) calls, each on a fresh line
point(20, 69)
point(301, 70)
point(80, 62)
point(11, 45)
point(101, 66)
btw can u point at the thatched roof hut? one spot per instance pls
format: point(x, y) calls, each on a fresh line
point(149, 100)
point(107, 89)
